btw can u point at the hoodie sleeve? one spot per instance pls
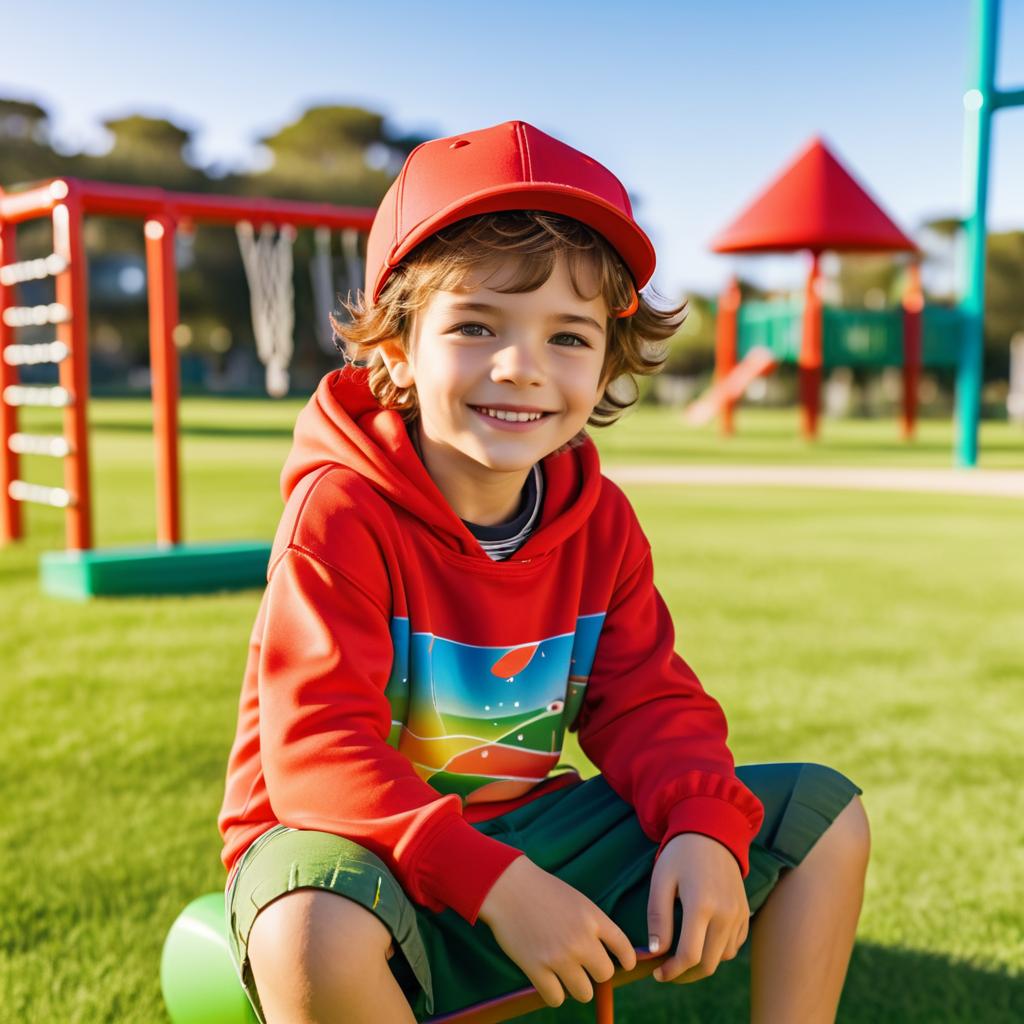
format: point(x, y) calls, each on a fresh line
point(325, 659)
point(655, 735)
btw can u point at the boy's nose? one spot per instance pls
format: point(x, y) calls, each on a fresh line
point(518, 363)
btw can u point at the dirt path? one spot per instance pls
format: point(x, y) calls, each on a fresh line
point(1004, 483)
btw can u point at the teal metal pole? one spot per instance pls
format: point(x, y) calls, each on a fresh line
point(1009, 98)
point(978, 107)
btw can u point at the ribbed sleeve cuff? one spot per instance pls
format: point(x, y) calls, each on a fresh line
point(459, 865)
point(715, 818)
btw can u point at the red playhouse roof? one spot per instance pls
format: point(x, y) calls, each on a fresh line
point(816, 204)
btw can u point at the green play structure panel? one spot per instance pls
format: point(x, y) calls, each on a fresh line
point(155, 569)
point(850, 337)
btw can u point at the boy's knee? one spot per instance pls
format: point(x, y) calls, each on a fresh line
point(853, 830)
point(310, 945)
point(850, 829)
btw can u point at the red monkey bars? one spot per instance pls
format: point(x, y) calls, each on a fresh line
point(66, 201)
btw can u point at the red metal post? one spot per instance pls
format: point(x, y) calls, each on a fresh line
point(810, 361)
point(162, 280)
point(73, 293)
point(913, 304)
point(10, 510)
point(727, 342)
point(604, 1003)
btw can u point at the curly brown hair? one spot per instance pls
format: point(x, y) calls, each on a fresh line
point(445, 259)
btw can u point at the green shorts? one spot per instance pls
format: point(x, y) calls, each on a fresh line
point(585, 834)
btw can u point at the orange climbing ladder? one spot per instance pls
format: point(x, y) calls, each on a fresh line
point(67, 349)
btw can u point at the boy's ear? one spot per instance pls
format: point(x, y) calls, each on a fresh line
point(397, 361)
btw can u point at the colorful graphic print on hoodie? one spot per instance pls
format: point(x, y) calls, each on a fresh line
point(486, 723)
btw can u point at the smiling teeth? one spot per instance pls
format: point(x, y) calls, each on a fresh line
point(515, 417)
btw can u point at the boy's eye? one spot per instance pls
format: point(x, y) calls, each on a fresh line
point(463, 327)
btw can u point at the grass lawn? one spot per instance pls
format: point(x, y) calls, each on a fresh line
point(882, 634)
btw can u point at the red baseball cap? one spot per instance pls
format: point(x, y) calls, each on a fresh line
point(510, 166)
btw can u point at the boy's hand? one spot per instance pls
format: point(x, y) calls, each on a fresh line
point(716, 914)
point(553, 932)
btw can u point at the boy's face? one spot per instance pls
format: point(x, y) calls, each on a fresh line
point(543, 350)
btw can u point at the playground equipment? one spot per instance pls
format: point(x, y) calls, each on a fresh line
point(815, 204)
point(729, 388)
point(170, 566)
point(200, 984)
point(981, 101)
point(322, 280)
point(947, 337)
point(268, 269)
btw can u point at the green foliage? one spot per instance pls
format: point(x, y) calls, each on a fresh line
point(322, 133)
point(146, 151)
point(336, 154)
point(1004, 299)
point(691, 350)
point(25, 153)
point(870, 279)
point(148, 136)
point(23, 119)
point(326, 155)
point(1004, 286)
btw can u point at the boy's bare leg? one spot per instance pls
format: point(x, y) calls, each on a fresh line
point(802, 938)
point(319, 958)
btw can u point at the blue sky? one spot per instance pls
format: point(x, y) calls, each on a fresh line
point(694, 105)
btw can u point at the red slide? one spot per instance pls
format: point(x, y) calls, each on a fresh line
point(758, 362)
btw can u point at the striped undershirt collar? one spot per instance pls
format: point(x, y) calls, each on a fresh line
point(504, 539)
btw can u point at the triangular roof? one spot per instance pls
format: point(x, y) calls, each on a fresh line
point(816, 204)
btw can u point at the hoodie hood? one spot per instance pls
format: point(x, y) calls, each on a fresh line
point(343, 424)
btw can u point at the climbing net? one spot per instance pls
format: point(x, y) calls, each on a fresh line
point(268, 269)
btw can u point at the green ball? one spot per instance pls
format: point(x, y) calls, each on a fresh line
point(197, 973)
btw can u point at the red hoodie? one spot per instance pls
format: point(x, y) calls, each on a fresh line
point(400, 684)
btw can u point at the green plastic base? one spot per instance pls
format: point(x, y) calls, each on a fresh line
point(171, 569)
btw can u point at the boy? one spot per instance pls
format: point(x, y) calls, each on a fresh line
point(454, 584)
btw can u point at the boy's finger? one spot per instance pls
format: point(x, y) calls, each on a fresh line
point(660, 907)
point(548, 984)
point(577, 984)
point(618, 942)
point(598, 963)
point(690, 948)
point(715, 943)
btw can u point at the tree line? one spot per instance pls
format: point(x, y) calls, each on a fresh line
point(349, 155)
point(337, 154)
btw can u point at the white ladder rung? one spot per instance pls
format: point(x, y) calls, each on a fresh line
point(19, 394)
point(36, 316)
point(30, 355)
point(39, 444)
point(19, 490)
point(33, 270)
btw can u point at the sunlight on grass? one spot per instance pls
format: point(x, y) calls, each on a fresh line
point(877, 633)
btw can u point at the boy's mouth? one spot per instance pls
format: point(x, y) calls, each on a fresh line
point(508, 419)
